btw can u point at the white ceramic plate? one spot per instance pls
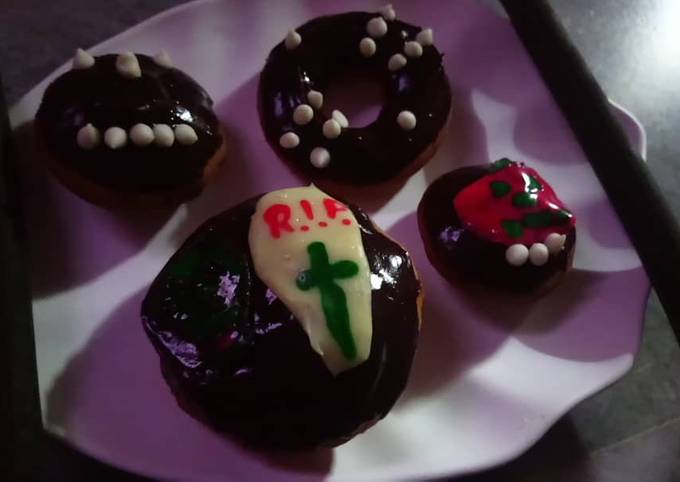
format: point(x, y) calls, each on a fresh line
point(489, 379)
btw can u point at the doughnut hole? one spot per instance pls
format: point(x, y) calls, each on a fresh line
point(359, 96)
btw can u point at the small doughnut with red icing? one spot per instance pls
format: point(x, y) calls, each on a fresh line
point(500, 225)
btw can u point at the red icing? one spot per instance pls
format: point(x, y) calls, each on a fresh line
point(307, 208)
point(333, 207)
point(277, 216)
point(483, 213)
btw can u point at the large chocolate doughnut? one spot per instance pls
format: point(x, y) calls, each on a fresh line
point(100, 124)
point(540, 230)
point(249, 370)
point(403, 60)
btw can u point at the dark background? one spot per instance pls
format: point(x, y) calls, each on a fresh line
point(628, 432)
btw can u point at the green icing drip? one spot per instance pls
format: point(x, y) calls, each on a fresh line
point(513, 228)
point(500, 188)
point(192, 284)
point(524, 200)
point(546, 218)
point(322, 275)
point(541, 219)
point(500, 164)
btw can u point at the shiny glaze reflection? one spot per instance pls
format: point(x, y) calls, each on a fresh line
point(254, 374)
point(330, 48)
point(103, 97)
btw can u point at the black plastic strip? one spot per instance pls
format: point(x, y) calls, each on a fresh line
point(638, 201)
point(19, 397)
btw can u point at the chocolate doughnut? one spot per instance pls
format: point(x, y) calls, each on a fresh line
point(235, 355)
point(398, 55)
point(500, 225)
point(129, 130)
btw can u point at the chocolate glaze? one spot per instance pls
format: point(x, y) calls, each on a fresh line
point(330, 47)
point(100, 95)
point(247, 369)
point(461, 256)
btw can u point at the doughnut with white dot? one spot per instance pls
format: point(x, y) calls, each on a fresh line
point(315, 99)
point(396, 62)
point(320, 157)
point(555, 242)
point(185, 134)
point(163, 135)
point(367, 47)
point(388, 12)
point(376, 27)
point(82, 60)
point(340, 118)
point(289, 140)
point(115, 137)
point(517, 254)
point(538, 254)
point(127, 65)
point(331, 129)
point(293, 40)
point(141, 135)
point(303, 114)
point(425, 37)
point(406, 120)
point(163, 59)
point(88, 137)
point(413, 49)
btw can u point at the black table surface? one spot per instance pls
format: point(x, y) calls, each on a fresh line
point(631, 430)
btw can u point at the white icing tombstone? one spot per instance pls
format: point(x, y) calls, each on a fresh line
point(298, 232)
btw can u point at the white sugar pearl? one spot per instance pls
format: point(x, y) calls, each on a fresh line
point(396, 62)
point(376, 27)
point(88, 137)
point(163, 135)
point(331, 129)
point(115, 137)
point(406, 120)
point(319, 157)
point(185, 134)
point(413, 49)
point(141, 135)
point(289, 140)
point(388, 12)
point(128, 65)
point(517, 254)
point(163, 59)
point(340, 118)
point(538, 254)
point(367, 46)
point(303, 114)
point(315, 99)
point(293, 39)
point(425, 37)
point(82, 60)
point(555, 242)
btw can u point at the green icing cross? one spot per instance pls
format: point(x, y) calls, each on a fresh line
point(322, 275)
